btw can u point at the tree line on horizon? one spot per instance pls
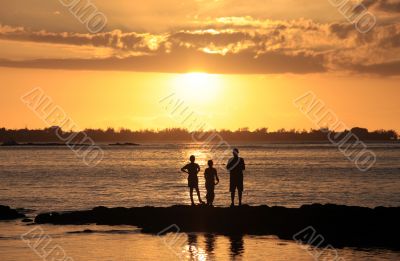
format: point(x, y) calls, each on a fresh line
point(178, 134)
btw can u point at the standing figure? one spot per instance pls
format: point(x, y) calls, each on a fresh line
point(236, 166)
point(193, 181)
point(210, 176)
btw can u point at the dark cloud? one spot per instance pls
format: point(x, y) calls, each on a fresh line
point(390, 6)
point(383, 69)
point(342, 30)
point(131, 41)
point(186, 60)
point(115, 39)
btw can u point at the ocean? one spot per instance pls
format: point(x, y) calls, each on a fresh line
point(41, 179)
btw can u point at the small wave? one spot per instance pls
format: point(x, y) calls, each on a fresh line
point(113, 231)
point(26, 210)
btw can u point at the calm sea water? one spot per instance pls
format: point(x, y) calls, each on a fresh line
point(52, 178)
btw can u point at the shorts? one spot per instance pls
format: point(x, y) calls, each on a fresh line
point(236, 182)
point(193, 181)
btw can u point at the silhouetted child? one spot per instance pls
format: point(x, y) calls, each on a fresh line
point(210, 176)
point(193, 181)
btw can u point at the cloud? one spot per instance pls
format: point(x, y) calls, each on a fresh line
point(383, 69)
point(227, 45)
point(158, 15)
point(114, 39)
point(227, 31)
point(380, 46)
point(390, 6)
point(186, 60)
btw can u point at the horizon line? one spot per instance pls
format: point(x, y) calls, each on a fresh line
point(243, 129)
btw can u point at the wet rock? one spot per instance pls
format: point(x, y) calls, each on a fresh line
point(7, 213)
point(340, 226)
point(86, 231)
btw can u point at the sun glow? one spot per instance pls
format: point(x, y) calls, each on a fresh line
point(198, 86)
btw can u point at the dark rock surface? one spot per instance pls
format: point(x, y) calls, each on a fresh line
point(6, 213)
point(124, 144)
point(340, 226)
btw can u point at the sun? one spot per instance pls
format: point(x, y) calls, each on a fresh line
point(198, 86)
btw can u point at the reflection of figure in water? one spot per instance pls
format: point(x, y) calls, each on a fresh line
point(193, 181)
point(210, 243)
point(236, 166)
point(210, 176)
point(192, 246)
point(237, 245)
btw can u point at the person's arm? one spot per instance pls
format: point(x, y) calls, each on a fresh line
point(228, 165)
point(198, 168)
point(216, 177)
point(244, 165)
point(185, 169)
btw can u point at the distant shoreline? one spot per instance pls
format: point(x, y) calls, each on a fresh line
point(126, 137)
point(53, 144)
point(177, 142)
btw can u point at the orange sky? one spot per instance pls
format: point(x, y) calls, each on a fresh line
point(124, 99)
point(259, 56)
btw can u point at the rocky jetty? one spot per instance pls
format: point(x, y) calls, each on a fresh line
point(339, 226)
point(124, 144)
point(7, 213)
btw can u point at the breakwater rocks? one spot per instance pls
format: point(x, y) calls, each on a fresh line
point(340, 226)
point(7, 213)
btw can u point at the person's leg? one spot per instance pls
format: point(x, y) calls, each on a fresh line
point(240, 189)
point(198, 195)
point(212, 197)
point(232, 189)
point(191, 195)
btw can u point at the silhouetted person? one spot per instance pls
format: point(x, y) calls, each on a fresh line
point(236, 166)
point(193, 181)
point(210, 176)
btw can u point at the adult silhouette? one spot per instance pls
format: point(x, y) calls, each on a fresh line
point(236, 166)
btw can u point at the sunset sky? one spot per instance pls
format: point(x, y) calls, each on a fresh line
point(236, 63)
